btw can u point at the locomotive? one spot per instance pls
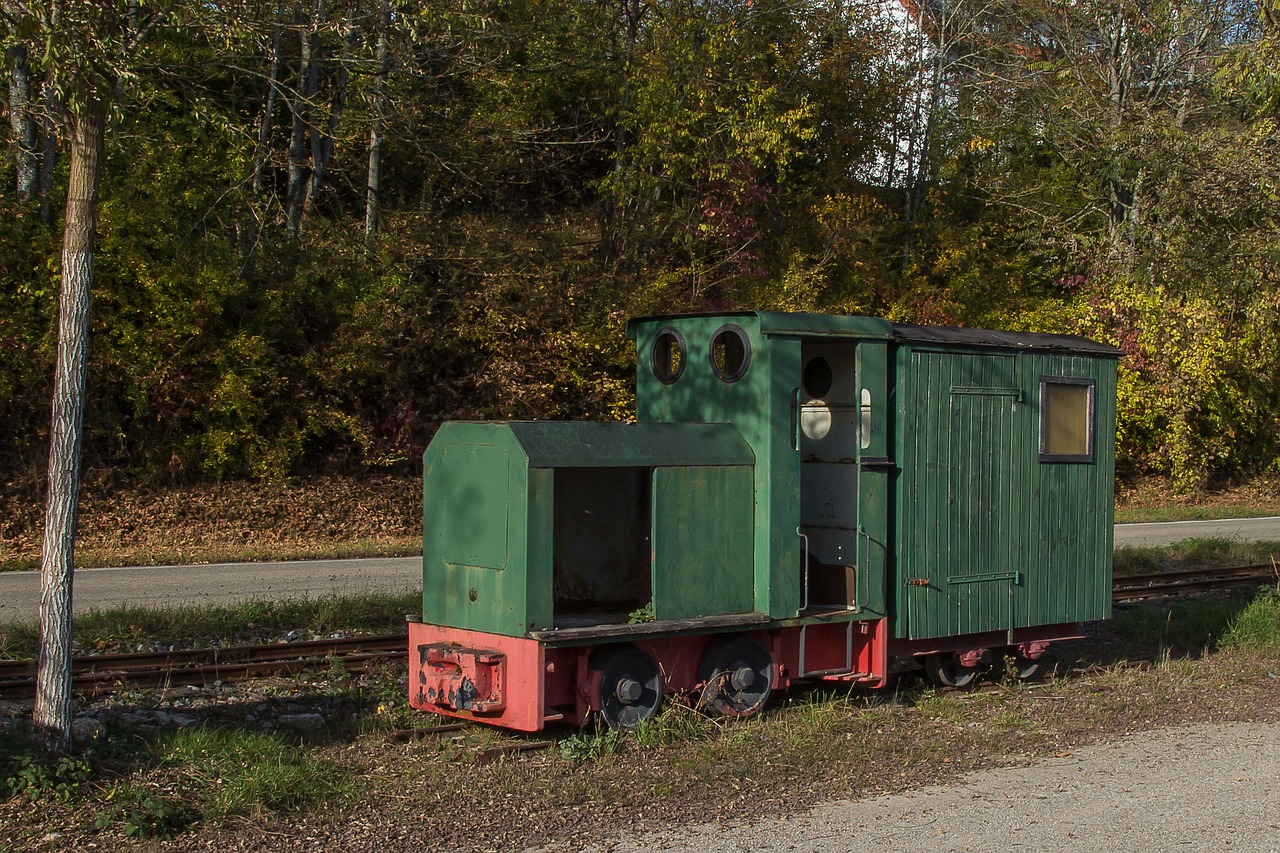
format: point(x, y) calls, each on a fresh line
point(801, 496)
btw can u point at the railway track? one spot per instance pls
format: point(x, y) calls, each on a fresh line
point(103, 673)
point(95, 674)
point(1152, 584)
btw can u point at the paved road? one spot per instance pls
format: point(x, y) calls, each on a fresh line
point(216, 583)
point(1163, 533)
point(1207, 787)
point(222, 583)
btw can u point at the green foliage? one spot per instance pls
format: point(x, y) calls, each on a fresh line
point(584, 747)
point(140, 812)
point(28, 770)
point(641, 615)
point(552, 168)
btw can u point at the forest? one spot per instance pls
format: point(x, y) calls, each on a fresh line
point(325, 227)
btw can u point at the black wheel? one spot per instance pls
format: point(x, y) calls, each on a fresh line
point(945, 670)
point(630, 686)
point(737, 672)
point(1034, 669)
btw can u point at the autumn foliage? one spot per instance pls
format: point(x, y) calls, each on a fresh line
point(551, 168)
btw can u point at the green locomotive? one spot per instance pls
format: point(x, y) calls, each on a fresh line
point(803, 496)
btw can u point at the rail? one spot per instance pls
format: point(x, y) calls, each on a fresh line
point(94, 674)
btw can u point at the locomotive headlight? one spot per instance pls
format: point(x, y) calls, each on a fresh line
point(815, 419)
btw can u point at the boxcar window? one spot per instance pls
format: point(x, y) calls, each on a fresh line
point(817, 378)
point(668, 355)
point(865, 425)
point(730, 353)
point(1066, 419)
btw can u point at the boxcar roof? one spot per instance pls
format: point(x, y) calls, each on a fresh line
point(853, 326)
point(955, 336)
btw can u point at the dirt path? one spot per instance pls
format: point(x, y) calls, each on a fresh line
point(1198, 788)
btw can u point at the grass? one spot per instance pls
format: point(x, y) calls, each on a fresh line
point(809, 744)
point(1177, 512)
point(1194, 553)
point(1256, 627)
point(126, 628)
point(158, 555)
point(1246, 620)
point(230, 772)
point(163, 785)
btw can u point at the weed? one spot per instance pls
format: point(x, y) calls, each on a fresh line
point(677, 722)
point(582, 747)
point(1010, 719)
point(142, 813)
point(41, 776)
point(943, 706)
point(641, 615)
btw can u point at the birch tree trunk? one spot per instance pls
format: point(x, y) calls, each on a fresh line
point(52, 712)
point(23, 124)
point(373, 184)
point(302, 105)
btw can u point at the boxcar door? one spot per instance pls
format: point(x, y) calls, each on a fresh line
point(829, 422)
point(965, 502)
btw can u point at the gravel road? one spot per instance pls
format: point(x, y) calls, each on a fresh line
point(1199, 788)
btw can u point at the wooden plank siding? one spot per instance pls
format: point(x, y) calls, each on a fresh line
point(991, 537)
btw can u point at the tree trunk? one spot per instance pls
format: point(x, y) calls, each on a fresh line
point(53, 678)
point(23, 124)
point(373, 186)
point(264, 126)
point(324, 138)
point(49, 163)
point(302, 105)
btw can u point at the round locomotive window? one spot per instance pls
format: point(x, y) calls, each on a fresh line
point(817, 377)
point(668, 355)
point(730, 353)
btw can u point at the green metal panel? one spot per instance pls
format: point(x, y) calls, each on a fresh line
point(761, 406)
point(475, 529)
point(560, 444)
point(703, 559)
point(539, 554)
point(474, 484)
point(993, 538)
point(876, 473)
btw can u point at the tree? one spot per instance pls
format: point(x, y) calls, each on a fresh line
point(90, 47)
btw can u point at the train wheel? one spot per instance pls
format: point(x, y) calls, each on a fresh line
point(738, 675)
point(630, 686)
point(945, 670)
point(1034, 669)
